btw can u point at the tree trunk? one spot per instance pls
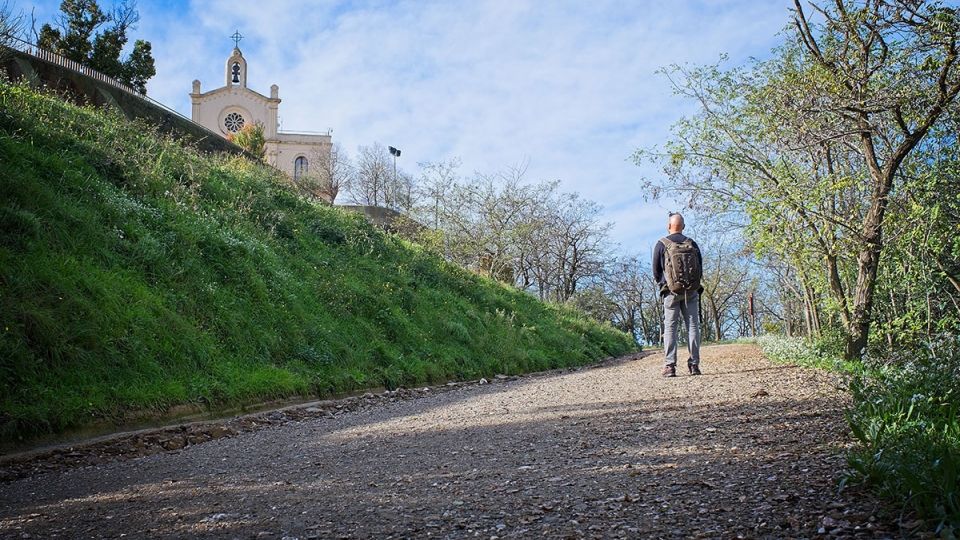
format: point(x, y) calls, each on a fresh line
point(788, 317)
point(867, 265)
point(836, 288)
point(891, 315)
point(814, 311)
point(807, 314)
point(716, 321)
point(953, 279)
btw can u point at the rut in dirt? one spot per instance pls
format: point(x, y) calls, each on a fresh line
point(749, 449)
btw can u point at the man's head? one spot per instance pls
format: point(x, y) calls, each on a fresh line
point(675, 224)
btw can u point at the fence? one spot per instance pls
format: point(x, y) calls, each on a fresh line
point(62, 61)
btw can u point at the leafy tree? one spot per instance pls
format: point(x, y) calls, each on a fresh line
point(94, 38)
point(812, 145)
point(595, 302)
point(919, 278)
point(885, 74)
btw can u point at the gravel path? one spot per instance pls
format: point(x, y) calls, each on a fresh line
point(750, 449)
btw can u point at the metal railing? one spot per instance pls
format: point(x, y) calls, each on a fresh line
point(62, 61)
point(327, 132)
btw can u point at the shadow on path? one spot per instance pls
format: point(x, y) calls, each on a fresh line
point(608, 452)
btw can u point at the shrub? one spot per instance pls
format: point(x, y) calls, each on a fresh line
point(797, 350)
point(251, 138)
point(905, 416)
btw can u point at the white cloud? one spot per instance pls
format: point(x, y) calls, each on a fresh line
point(569, 86)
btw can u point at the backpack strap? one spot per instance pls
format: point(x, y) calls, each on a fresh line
point(666, 242)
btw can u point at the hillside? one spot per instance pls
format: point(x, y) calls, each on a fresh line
point(136, 275)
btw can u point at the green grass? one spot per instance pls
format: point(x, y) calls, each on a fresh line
point(136, 274)
point(906, 418)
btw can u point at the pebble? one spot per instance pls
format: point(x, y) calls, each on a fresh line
point(612, 450)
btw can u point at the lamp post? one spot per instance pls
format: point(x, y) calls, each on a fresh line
point(395, 152)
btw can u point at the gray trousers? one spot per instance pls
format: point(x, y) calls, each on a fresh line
point(688, 306)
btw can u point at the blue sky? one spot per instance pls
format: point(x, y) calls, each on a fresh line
point(568, 87)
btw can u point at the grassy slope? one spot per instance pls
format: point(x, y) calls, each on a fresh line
point(137, 274)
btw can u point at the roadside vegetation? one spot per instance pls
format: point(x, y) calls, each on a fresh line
point(905, 417)
point(136, 274)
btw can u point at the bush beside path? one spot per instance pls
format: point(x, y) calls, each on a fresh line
point(750, 449)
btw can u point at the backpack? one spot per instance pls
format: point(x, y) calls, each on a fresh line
point(681, 265)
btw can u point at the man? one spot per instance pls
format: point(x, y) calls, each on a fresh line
point(677, 268)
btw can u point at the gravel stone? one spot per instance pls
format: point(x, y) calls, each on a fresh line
point(749, 449)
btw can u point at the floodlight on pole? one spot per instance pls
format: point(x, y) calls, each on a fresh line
point(395, 152)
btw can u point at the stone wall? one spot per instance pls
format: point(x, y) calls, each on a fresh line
point(386, 218)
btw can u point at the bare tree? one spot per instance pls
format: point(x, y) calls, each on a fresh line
point(483, 219)
point(437, 181)
point(651, 313)
point(333, 171)
point(375, 182)
point(726, 273)
point(374, 169)
point(628, 283)
point(579, 243)
point(11, 26)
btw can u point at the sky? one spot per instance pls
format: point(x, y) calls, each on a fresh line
point(568, 88)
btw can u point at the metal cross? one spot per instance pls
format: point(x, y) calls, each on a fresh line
point(236, 37)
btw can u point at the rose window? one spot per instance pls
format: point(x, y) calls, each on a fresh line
point(233, 122)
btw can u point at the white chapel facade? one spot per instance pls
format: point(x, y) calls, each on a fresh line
point(228, 109)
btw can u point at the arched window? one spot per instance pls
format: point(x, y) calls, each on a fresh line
point(299, 167)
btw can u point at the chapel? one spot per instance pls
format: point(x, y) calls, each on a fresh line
point(227, 109)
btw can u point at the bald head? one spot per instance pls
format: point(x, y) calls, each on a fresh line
point(675, 224)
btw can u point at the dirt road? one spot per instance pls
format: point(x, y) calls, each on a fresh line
point(750, 449)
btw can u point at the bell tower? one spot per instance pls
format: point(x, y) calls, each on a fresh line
point(236, 65)
point(236, 69)
point(234, 106)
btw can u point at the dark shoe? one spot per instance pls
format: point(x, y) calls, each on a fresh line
point(670, 371)
point(694, 368)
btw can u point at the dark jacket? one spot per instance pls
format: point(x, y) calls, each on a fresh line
point(658, 253)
